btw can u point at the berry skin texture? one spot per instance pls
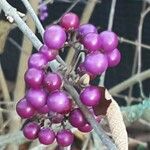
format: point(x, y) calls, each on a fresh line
point(91, 42)
point(37, 60)
point(31, 130)
point(85, 29)
point(90, 96)
point(43, 110)
point(109, 41)
point(52, 82)
point(76, 118)
point(54, 37)
point(85, 128)
point(25, 109)
point(95, 63)
point(64, 138)
point(59, 102)
point(113, 58)
point(36, 97)
point(34, 77)
point(70, 21)
point(50, 54)
point(46, 136)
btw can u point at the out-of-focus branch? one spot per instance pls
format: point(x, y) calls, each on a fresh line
point(10, 11)
point(111, 15)
point(134, 79)
point(143, 15)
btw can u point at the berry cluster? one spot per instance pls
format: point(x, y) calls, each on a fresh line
point(43, 14)
point(46, 103)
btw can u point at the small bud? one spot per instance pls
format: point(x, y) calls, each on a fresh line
point(84, 80)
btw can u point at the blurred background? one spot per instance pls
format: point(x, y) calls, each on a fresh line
point(130, 21)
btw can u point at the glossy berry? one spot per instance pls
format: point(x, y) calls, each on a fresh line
point(91, 42)
point(90, 96)
point(55, 117)
point(34, 77)
point(76, 118)
point(59, 102)
point(31, 130)
point(52, 81)
point(50, 54)
point(113, 58)
point(46, 136)
point(36, 97)
point(37, 60)
point(69, 21)
point(64, 138)
point(85, 128)
point(85, 29)
point(25, 109)
point(44, 109)
point(54, 37)
point(109, 41)
point(96, 63)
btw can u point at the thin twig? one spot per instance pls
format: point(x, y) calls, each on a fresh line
point(143, 15)
point(134, 79)
point(68, 10)
point(135, 43)
point(34, 16)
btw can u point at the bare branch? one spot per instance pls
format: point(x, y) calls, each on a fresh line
point(134, 79)
point(34, 16)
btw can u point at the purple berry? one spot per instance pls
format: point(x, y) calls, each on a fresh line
point(91, 42)
point(36, 97)
point(46, 136)
point(85, 29)
point(113, 58)
point(44, 109)
point(55, 117)
point(69, 21)
point(109, 41)
point(90, 96)
point(76, 118)
point(96, 63)
point(34, 77)
point(54, 37)
point(25, 109)
point(37, 60)
point(50, 54)
point(64, 138)
point(59, 102)
point(31, 130)
point(85, 128)
point(52, 81)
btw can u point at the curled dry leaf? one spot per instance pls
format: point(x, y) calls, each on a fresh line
point(110, 108)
